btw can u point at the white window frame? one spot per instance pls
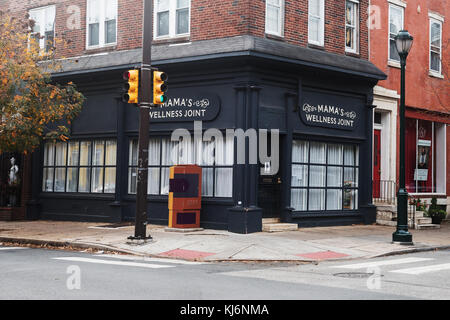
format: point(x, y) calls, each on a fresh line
point(321, 24)
point(439, 22)
point(355, 27)
point(439, 159)
point(44, 11)
point(402, 9)
point(280, 18)
point(101, 29)
point(172, 21)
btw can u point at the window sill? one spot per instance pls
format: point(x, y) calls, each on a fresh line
point(81, 196)
point(394, 64)
point(316, 46)
point(435, 75)
point(171, 40)
point(274, 36)
point(353, 54)
point(429, 195)
point(97, 49)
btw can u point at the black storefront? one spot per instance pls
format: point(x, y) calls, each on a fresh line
point(321, 104)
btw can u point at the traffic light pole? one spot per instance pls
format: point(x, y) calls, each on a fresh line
point(145, 103)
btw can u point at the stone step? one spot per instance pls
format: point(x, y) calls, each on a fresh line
point(428, 226)
point(424, 220)
point(277, 227)
point(270, 220)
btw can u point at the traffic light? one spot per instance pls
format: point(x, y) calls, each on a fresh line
point(131, 86)
point(159, 87)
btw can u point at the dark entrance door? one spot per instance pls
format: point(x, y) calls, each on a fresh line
point(269, 195)
point(269, 186)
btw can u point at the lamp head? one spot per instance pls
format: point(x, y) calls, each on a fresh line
point(403, 43)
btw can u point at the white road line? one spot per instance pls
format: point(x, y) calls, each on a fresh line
point(12, 248)
point(382, 263)
point(149, 259)
point(112, 262)
point(425, 269)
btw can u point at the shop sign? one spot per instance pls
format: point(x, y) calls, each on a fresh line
point(330, 116)
point(204, 107)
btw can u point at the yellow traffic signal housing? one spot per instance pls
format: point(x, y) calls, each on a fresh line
point(131, 86)
point(159, 87)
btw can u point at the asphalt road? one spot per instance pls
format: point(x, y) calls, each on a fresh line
point(27, 273)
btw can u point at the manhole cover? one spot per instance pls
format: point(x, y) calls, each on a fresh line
point(355, 275)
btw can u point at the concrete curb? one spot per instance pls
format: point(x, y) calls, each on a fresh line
point(412, 250)
point(101, 247)
point(63, 244)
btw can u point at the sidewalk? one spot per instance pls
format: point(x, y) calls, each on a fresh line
point(303, 245)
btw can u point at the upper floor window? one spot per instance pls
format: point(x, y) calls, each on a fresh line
point(395, 25)
point(101, 22)
point(44, 26)
point(351, 25)
point(435, 45)
point(275, 17)
point(316, 22)
point(171, 18)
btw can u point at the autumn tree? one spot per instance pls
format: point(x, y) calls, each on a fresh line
point(32, 107)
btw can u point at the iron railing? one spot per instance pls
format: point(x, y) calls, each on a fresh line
point(384, 191)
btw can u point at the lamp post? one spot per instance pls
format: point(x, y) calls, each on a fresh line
point(403, 43)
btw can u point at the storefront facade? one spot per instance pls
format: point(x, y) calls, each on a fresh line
point(323, 114)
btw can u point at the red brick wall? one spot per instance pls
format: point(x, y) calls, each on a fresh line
point(448, 161)
point(210, 19)
point(422, 90)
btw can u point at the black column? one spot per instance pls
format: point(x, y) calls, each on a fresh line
point(245, 216)
point(121, 162)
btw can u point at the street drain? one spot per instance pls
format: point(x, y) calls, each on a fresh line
point(355, 275)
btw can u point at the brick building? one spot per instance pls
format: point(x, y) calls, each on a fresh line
point(427, 97)
point(300, 67)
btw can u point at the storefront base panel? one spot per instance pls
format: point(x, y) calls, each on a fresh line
point(307, 222)
point(212, 216)
point(80, 210)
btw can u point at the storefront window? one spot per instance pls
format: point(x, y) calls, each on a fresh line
point(80, 166)
point(216, 159)
point(425, 156)
point(324, 176)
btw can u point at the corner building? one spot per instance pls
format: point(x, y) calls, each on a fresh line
point(299, 67)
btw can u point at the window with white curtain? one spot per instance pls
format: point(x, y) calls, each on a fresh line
point(316, 22)
point(86, 166)
point(215, 158)
point(171, 18)
point(324, 176)
point(351, 25)
point(435, 45)
point(101, 23)
point(395, 25)
point(275, 17)
point(43, 31)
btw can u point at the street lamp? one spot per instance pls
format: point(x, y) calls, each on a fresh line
point(403, 43)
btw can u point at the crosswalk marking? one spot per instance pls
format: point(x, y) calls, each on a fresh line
point(149, 259)
point(382, 263)
point(112, 262)
point(12, 248)
point(425, 269)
